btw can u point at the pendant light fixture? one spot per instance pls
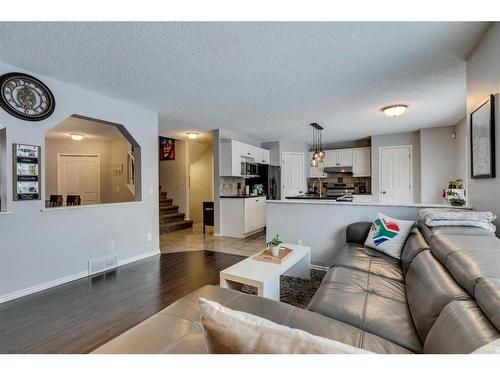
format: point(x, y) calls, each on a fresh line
point(317, 147)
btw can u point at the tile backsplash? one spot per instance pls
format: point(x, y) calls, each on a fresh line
point(232, 186)
point(345, 179)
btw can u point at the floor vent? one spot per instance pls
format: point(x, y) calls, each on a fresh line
point(103, 264)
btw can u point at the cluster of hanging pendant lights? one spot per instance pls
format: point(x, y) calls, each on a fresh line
point(317, 138)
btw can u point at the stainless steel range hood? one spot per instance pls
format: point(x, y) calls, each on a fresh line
point(337, 170)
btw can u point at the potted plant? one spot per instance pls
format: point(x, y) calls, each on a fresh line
point(274, 244)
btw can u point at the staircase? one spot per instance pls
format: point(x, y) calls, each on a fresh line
point(170, 217)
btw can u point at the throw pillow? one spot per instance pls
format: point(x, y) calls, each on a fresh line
point(235, 332)
point(388, 235)
point(491, 348)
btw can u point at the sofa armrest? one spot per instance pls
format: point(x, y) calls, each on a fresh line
point(357, 232)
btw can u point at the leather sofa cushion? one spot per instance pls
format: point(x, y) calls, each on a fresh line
point(361, 258)
point(468, 258)
point(415, 243)
point(461, 328)
point(357, 298)
point(429, 288)
point(357, 232)
point(468, 253)
point(488, 299)
point(429, 232)
point(177, 328)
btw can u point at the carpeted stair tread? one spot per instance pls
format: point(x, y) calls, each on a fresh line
point(175, 225)
point(169, 210)
point(169, 218)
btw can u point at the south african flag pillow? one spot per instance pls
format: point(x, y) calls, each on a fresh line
point(388, 235)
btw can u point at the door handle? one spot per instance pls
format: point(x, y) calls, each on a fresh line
point(384, 192)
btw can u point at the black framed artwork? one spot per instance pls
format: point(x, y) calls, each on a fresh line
point(26, 166)
point(482, 140)
point(166, 148)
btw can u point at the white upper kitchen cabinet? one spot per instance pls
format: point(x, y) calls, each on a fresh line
point(232, 152)
point(230, 157)
point(338, 158)
point(361, 162)
point(265, 156)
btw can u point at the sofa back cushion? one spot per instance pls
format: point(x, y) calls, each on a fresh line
point(461, 328)
point(415, 243)
point(488, 298)
point(429, 288)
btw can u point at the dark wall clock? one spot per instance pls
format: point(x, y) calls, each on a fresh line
point(26, 97)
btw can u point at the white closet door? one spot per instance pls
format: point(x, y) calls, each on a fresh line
point(89, 186)
point(79, 175)
point(69, 175)
point(292, 173)
point(395, 175)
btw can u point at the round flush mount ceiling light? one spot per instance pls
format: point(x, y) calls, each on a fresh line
point(77, 137)
point(192, 135)
point(394, 110)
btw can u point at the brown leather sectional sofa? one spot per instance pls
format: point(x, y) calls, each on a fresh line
point(443, 296)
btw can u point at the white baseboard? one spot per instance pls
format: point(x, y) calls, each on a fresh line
point(43, 286)
point(67, 279)
point(138, 257)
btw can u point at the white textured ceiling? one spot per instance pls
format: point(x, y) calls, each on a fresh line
point(265, 80)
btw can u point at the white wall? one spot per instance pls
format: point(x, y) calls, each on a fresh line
point(462, 147)
point(42, 248)
point(400, 139)
point(438, 162)
point(483, 79)
point(201, 172)
point(119, 191)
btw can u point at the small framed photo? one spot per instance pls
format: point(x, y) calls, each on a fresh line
point(117, 169)
point(482, 135)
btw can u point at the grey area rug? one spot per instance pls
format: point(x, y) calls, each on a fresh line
point(295, 291)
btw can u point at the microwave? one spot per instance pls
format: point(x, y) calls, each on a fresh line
point(249, 169)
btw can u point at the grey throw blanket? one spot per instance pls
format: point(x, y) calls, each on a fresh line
point(434, 217)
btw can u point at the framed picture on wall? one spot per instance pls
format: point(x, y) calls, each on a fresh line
point(482, 135)
point(167, 148)
point(117, 169)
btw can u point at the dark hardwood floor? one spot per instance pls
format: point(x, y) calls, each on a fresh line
point(80, 316)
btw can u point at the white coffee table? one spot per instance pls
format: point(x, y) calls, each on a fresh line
point(265, 276)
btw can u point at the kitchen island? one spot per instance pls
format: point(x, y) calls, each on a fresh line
point(321, 223)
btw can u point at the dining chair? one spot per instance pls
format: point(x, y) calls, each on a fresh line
point(55, 201)
point(73, 200)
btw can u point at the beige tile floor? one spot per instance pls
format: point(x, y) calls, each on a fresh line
point(193, 239)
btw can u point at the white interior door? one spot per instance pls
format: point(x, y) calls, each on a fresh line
point(79, 175)
point(292, 173)
point(395, 174)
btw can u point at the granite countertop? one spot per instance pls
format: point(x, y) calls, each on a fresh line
point(243, 196)
point(313, 201)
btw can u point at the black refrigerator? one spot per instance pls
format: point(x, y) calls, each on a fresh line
point(271, 176)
